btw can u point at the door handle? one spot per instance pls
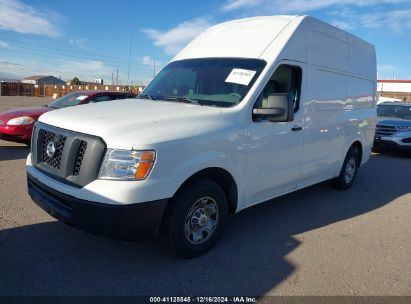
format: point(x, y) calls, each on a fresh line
point(296, 128)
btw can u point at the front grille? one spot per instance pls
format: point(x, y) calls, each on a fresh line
point(58, 142)
point(68, 156)
point(382, 130)
point(79, 157)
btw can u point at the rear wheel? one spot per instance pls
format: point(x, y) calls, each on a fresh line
point(196, 218)
point(348, 170)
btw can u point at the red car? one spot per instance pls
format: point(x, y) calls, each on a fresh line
point(17, 125)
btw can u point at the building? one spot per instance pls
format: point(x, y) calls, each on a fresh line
point(2, 79)
point(397, 89)
point(41, 79)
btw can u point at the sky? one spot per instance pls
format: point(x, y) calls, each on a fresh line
point(93, 39)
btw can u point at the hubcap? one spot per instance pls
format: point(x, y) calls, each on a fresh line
point(201, 220)
point(350, 169)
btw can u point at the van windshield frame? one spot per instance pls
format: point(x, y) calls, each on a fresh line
point(219, 82)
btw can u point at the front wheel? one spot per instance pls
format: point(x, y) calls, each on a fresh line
point(196, 218)
point(349, 170)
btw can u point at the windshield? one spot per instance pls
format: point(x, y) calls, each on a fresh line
point(69, 100)
point(397, 111)
point(221, 82)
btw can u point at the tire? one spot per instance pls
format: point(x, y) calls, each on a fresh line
point(196, 218)
point(348, 171)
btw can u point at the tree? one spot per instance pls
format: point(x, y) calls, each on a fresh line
point(75, 81)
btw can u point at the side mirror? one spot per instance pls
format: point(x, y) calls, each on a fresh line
point(279, 109)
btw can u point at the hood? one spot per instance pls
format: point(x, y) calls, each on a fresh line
point(137, 123)
point(34, 112)
point(395, 122)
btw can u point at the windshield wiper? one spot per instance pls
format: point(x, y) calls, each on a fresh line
point(183, 99)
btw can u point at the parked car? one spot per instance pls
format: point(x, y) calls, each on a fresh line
point(227, 124)
point(393, 129)
point(17, 125)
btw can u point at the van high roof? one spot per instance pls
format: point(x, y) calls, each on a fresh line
point(299, 38)
point(246, 37)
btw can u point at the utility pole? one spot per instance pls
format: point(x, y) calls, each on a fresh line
point(129, 58)
point(117, 76)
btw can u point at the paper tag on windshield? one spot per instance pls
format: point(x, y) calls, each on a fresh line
point(81, 97)
point(240, 76)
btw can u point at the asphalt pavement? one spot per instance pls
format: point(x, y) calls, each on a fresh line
point(317, 241)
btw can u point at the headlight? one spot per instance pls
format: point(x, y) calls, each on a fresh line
point(23, 120)
point(127, 165)
point(404, 128)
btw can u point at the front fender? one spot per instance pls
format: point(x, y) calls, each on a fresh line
point(209, 159)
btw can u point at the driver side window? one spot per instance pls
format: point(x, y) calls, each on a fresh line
point(286, 79)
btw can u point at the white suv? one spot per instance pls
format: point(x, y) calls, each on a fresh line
point(393, 129)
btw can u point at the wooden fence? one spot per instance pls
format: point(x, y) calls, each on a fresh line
point(56, 91)
point(27, 89)
point(397, 95)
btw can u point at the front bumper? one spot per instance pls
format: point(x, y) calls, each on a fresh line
point(138, 221)
point(20, 134)
point(395, 142)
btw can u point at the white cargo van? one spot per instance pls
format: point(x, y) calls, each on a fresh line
point(250, 110)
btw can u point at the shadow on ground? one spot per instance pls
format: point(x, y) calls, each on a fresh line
point(13, 152)
point(250, 259)
point(395, 153)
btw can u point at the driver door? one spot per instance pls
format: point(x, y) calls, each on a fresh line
point(275, 148)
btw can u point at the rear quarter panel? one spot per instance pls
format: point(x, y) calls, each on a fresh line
point(340, 109)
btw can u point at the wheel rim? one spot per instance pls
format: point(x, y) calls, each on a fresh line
point(201, 220)
point(350, 169)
